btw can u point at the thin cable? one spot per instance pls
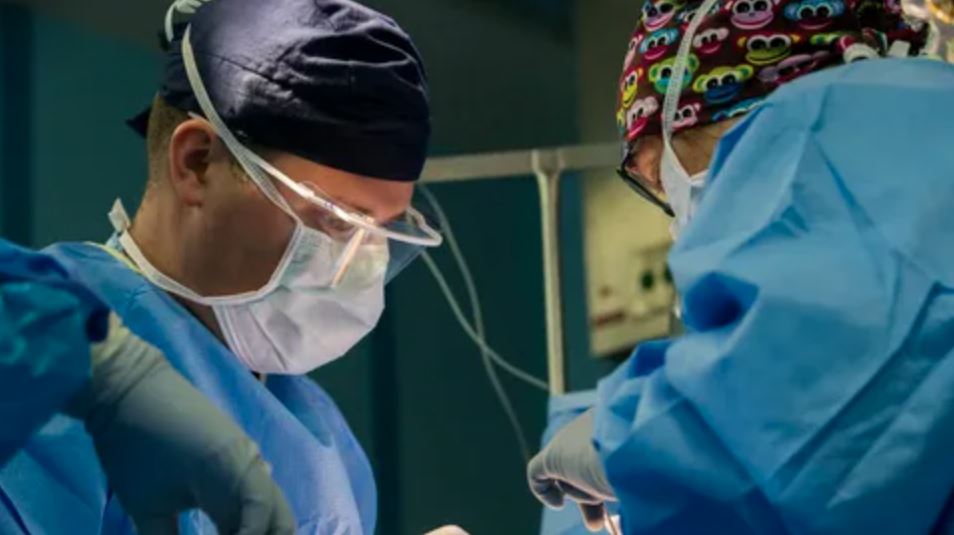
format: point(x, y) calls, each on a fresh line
point(487, 360)
point(472, 291)
point(469, 330)
point(505, 401)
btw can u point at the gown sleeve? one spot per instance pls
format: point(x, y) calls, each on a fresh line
point(814, 389)
point(46, 327)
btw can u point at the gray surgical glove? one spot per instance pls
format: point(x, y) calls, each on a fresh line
point(569, 467)
point(448, 530)
point(166, 449)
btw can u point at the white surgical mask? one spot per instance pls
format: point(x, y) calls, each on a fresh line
point(684, 192)
point(303, 325)
point(298, 321)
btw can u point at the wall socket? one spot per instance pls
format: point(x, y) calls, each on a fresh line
point(634, 304)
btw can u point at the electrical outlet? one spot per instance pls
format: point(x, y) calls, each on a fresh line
point(636, 299)
point(653, 283)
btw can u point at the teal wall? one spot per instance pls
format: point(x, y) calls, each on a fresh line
point(415, 392)
point(7, 73)
point(66, 150)
point(16, 65)
point(84, 156)
point(444, 450)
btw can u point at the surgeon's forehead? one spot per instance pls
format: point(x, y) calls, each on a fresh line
point(382, 200)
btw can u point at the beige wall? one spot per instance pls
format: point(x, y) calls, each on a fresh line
point(624, 235)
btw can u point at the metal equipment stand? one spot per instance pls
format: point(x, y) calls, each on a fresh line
point(548, 166)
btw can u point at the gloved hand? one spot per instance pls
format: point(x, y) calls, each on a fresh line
point(569, 467)
point(166, 449)
point(448, 530)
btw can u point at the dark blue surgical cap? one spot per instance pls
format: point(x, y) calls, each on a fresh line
point(328, 80)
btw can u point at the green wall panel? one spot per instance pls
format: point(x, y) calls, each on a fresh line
point(85, 85)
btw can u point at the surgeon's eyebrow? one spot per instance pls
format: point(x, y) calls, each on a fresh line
point(379, 218)
point(357, 205)
point(390, 216)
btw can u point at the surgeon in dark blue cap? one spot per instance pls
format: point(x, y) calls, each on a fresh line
point(283, 146)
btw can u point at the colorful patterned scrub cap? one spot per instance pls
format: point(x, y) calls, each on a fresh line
point(742, 50)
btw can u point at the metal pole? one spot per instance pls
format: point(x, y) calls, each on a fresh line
point(509, 164)
point(547, 167)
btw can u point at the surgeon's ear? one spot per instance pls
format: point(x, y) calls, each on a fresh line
point(193, 148)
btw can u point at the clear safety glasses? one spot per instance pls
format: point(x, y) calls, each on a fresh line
point(354, 233)
point(361, 243)
point(340, 220)
point(653, 193)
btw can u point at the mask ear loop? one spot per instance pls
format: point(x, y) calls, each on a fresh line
point(674, 89)
point(120, 220)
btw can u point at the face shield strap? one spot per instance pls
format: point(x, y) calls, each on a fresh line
point(297, 187)
point(434, 237)
point(241, 153)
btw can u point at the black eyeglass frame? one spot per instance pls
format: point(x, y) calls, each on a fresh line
point(641, 189)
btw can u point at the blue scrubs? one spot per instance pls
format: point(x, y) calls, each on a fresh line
point(814, 389)
point(316, 461)
point(46, 327)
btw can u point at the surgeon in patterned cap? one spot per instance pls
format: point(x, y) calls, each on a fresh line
point(811, 391)
point(735, 54)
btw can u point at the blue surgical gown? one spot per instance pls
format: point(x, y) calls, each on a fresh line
point(46, 327)
point(54, 484)
point(814, 390)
